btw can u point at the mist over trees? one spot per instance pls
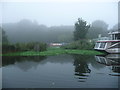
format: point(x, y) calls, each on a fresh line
point(28, 31)
point(97, 27)
point(116, 27)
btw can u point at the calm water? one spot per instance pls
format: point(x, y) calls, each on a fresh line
point(62, 71)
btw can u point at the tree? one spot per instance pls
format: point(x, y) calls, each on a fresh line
point(100, 24)
point(97, 27)
point(116, 27)
point(4, 36)
point(28, 31)
point(81, 29)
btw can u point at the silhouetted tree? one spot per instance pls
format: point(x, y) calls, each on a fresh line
point(81, 29)
point(4, 36)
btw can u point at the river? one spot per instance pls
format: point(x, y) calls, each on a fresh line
point(61, 71)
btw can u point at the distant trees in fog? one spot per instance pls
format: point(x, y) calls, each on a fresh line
point(28, 31)
point(116, 27)
point(97, 27)
point(27, 35)
point(4, 36)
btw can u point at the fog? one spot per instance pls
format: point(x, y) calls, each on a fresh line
point(59, 13)
point(54, 21)
point(30, 31)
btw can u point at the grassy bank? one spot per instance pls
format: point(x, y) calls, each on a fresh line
point(54, 51)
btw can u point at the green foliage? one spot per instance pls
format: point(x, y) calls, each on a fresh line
point(8, 48)
point(80, 44)
point(43, 46)
point(55, 51)
point(81, 29)
point(34, 46)
point(18, 47)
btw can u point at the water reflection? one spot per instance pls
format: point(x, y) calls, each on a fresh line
point(80, 62)
point(66, 71)
point(112, 60)
point(82, 69)
point(24, 63)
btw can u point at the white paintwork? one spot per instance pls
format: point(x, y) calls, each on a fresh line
point(109, 46)
point(113, 50)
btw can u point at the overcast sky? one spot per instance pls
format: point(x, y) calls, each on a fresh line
point(60, 13)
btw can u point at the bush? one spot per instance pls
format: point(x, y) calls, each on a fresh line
point(8, 48)
point(40, 47)
point(32, 46)
point(80, 44)
point(43, 46)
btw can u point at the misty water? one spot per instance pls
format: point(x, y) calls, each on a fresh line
point(61, 71)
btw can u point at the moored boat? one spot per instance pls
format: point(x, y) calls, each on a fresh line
point(110, 44)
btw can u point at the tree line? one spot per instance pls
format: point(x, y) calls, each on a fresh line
point(17, 47)
point(26, 35)
point(28, 31)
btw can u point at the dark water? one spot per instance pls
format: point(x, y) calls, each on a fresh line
point(62, 71)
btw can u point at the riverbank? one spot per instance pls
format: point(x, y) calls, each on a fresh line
point(54, 51)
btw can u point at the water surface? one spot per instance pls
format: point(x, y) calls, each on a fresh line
point(62, 71)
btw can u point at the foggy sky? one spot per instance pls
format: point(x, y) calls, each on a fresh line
point(60, 13)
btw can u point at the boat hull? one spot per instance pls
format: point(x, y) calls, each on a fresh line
point(113, 50)
point(109, 47)
point(103, 51)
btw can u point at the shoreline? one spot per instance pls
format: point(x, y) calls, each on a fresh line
point(53, 52)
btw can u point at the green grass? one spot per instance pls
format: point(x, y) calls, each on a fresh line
point(54, 51)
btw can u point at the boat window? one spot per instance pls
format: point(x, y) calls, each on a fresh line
point(113, 37)
point(117, 36)
point(97, 45)
point(102, 45)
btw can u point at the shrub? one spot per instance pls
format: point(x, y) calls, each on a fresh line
point(43, 46)
point(32, 46)
point(8, 48)
point(80, 44)
point(40, 47)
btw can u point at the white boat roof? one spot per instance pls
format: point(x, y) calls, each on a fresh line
point(115, 32)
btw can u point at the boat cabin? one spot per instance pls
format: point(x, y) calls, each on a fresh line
point(114, 35)
point(111, 44)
